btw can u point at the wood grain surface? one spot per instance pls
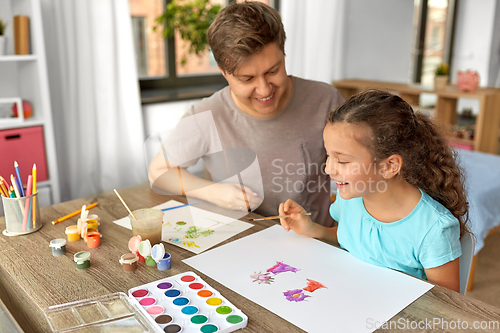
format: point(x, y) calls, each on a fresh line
point(31, 279)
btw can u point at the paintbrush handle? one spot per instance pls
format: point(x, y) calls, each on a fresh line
point(277, 217)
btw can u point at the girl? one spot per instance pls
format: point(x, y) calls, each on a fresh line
point(401, 201)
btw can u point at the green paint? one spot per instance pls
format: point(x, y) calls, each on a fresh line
point(181, 223)
point(195, 232)
point(199, 319)
point(224, 310)
point(234, 319)
point(207, 233)
point(210, 328)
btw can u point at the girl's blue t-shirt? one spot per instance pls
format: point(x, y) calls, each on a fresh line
point(428, 237)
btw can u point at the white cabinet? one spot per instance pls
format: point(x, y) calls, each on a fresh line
point(25, 77)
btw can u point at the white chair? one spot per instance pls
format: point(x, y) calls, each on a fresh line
point(467, 243)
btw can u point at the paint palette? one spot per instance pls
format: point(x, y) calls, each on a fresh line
point(185, 303)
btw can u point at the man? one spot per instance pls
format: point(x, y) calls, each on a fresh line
point(279, 117)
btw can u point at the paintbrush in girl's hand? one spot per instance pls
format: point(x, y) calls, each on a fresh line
point(277, 217)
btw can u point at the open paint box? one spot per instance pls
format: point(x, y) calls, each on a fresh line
point(182, 303)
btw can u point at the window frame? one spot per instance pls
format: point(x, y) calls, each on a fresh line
point(173, 87)
point(449, 42)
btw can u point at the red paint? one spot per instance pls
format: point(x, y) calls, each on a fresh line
point(196, 285)
point(140, 293)
point(188, 278)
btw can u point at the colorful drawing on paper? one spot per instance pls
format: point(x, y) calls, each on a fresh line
point(193, 228)
point(266, 278)
point(294, 295)
point(298, 295)
point(280, 267)
point(262, 278)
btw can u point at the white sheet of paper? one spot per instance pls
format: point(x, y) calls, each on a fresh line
point(177, 223)
point(359, 297)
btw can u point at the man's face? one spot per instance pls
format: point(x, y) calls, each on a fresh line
point(260, 87)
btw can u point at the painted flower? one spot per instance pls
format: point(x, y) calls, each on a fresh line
point(262, 278)
point(280, 267)
point(313, 285)
point(296, 295)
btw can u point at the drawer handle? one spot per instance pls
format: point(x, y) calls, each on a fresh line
point(10, 137)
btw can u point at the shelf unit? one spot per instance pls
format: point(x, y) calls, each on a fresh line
point(25, 76)
point(487, 122)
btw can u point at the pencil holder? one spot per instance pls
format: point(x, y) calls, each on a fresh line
point(22, 215)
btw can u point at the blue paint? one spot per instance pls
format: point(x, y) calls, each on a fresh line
point(164, 264)
point(189, 310)
point(181, 301)
point(172, 293)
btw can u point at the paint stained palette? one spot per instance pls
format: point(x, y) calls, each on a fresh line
point(185, 303)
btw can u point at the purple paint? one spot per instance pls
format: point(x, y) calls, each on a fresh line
point(164, 285)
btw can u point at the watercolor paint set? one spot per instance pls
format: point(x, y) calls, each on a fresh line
point(181, 303)
point(185, 303)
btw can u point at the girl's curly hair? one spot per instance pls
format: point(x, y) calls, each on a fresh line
point(428, 161)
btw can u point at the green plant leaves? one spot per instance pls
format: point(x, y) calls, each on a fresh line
point(192, 19)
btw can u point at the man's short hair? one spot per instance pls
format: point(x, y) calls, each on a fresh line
point(243, 29)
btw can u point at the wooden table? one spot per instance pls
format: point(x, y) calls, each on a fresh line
point(31, 279)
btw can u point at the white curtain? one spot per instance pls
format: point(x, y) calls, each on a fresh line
point(315, 38)
point(95, 96)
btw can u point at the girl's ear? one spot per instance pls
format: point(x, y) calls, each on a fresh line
point(392, 166)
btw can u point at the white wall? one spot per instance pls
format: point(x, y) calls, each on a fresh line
point(494, 72)
point(378, 39)
point(473, 38)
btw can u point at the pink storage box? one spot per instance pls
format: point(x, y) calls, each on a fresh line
point(27, 147)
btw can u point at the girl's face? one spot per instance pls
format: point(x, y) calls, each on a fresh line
point(350, 164)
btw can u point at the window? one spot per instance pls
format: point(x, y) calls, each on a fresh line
point(434, 24)
point(140, 45)
point(162, 77)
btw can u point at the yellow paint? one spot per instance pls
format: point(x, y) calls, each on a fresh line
point(214, 301)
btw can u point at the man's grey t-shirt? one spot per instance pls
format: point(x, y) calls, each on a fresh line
point(289, 146)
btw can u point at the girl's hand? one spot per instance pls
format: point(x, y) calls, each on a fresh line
point(300, 224)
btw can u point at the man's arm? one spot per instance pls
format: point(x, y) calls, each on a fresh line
point(178, 180)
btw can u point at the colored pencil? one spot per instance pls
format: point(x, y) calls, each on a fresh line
point(27, 204)
point(180, 206)
point(2, 191)
point(33, 173)
point(15, 186)
point(277, 217)
point(19, 180)
point(16, 191)
point(4, 185)
point(65, 217)
point(123, 202)
point(15, 207)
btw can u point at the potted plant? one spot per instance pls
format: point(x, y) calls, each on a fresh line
point(191, 19)
point(3, 43)
point(441, 77)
